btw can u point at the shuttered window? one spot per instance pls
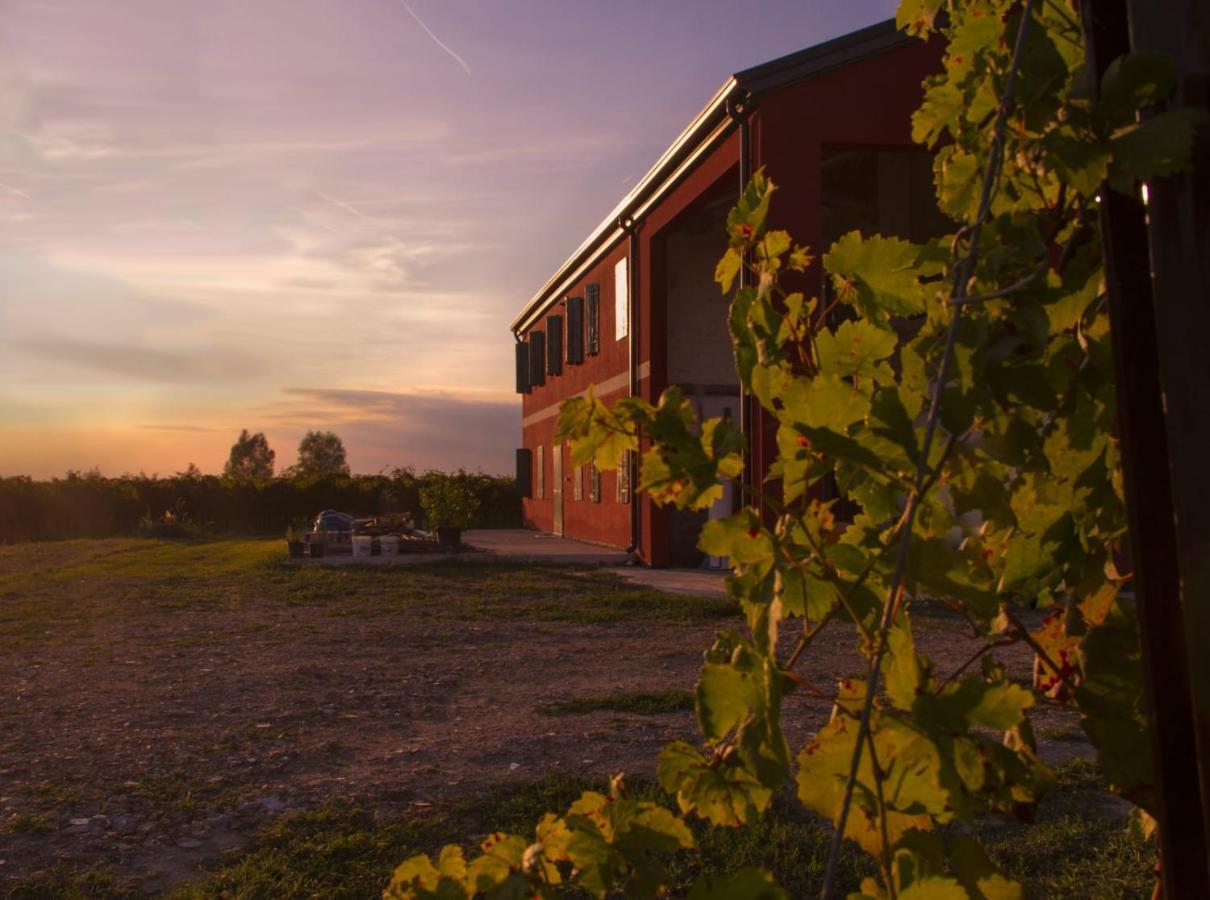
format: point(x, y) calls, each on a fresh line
point(522, 368)
point(525, 483)
point(592, 299)
point(623, 491)
point(554, 345)
point(594, 483)
point(537, 358)
point(575, 331)
point(577, 483)
point(539, 475)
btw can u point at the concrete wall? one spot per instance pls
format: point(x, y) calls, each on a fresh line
point(698, 341)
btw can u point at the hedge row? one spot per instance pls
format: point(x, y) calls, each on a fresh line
point(90, 505)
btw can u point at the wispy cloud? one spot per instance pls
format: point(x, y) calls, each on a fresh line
point(349, 208)
point(144, 363)
point(436, 40)
point(9, 189)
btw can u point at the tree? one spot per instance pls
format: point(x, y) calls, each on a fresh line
point(321, 453)
point(251, 457)
point(192, 472)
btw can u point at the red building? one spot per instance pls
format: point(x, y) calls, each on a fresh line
point(635, 309)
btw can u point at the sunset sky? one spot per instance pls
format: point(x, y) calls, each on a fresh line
point(291, 214)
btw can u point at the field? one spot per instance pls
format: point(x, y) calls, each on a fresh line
point(205, 720)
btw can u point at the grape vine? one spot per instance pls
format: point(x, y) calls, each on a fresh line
point(959, 393)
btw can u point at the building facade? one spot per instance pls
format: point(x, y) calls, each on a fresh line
point(635, 308)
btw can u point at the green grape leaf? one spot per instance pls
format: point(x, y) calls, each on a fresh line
point(742, 884)
point(1157, 146)
point(944, 103)
point(1135, 81)
point(916, 17)
point(726, 794)
point(856, 348)
point(979, 875)
point(876, 275)
point(958, 175)
point(1112, 705)
point(740, 537)
point(904, 678)
point(1081, 163)
point(725, 696)
point(935, 887)
point(824, 402)
point(728, 268)
point(912, 769)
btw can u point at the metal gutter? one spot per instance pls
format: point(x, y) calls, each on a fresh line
point(631, 227)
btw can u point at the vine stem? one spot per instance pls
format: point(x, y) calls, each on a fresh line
point(963, 272)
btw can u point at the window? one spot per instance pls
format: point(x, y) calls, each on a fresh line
point(594, 483)
point(554, 345)
point(592, 299)
point(539, 475)
point(624, 478)
point(575, 331)
point(577, 483)
point(621, 298)
point(523, 352)
point(537, 358)
point(525, 466)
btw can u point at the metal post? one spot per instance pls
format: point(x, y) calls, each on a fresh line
point(1150, 479)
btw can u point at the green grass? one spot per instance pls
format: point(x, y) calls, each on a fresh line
point(653, 703)
point(1079, 848)
point(67, 883)
point(31, 823)
point(56, 591)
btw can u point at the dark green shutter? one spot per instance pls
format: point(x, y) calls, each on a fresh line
point(537, 358)
point(554, 345)
point(575, 331)
point(525, 468)
point(592, 294)
point(522, 368)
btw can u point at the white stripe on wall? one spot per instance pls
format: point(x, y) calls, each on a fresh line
point(608, 386)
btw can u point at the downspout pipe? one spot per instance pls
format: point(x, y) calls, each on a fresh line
point(740, 109)
point(630, 227)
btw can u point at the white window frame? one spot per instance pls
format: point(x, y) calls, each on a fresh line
point(621, 299)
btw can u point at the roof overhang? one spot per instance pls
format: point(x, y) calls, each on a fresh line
point(707, 130)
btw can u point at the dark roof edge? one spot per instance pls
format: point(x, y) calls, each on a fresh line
point(813, 61)
point(705, 128)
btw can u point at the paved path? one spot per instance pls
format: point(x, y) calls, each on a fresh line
point(537, 547)
point(698, 582)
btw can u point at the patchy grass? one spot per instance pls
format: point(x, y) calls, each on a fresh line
point(1079, 849)
point(1080, 846)
point(66, 883)
point(340, 851)
point(1066, 732)
point(54, 591)
point(30, 823)
point(647, 704)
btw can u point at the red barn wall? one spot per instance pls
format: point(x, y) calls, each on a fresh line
point(606, 522)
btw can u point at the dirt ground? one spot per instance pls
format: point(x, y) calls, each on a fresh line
point(155, 713)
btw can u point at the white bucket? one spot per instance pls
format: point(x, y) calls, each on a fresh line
point(389, 544)
point(361, 546)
